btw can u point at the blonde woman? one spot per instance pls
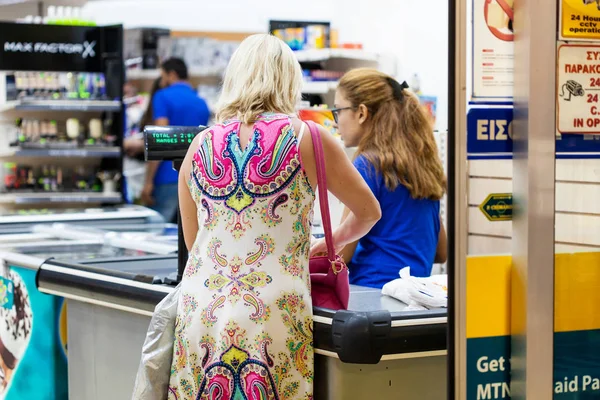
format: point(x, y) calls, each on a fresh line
point(246, 192)
point(398, 158)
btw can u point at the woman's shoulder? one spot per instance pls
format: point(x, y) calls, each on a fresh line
point(365, 165)
point(227, 125)
point(365, 161)
point(272, 115)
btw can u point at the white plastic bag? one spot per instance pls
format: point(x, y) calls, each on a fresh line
point(418, 293)
point(154, 372)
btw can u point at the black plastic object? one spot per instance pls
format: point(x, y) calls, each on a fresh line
point(168, 143)
point(360, 337)
point(171, 143)
point(182, 251)
point(364, 337)
point(98, 270)
point(81, 280)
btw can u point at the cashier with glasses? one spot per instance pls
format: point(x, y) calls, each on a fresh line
point(397, 156)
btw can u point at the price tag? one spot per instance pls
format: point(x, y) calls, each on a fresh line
point(70, 107)
point(69, 199)
point(68, 153)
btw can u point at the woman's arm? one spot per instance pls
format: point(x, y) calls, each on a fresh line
point(187, 205)
point(348, 251)
point(441, 252)
point(344, 181)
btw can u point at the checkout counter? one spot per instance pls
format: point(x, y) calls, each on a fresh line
point(33, 325)
point(373, 349)
point(111, 289)
point(111, 282)
point(118, 217)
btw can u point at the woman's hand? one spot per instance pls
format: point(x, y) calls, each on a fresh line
point(133, 146)
point(318, 247)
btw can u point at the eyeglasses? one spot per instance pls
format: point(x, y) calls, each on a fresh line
point(335, 112)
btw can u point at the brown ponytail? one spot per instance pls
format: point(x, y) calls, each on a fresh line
point(399, 139)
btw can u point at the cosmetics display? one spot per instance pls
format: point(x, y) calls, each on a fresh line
point(309, 35)
point(69, 133)
point(61, 114)
point(303, 35)
point(58, 86)
point(57, 178)
point(303, 38)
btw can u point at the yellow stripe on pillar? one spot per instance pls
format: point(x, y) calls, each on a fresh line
point(576, 292)
point(488, 296)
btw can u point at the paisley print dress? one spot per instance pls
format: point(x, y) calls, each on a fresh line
point(244, 324)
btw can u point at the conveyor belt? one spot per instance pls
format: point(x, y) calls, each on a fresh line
point(150, 266)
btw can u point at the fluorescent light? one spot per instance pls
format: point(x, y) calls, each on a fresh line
point(9, 2)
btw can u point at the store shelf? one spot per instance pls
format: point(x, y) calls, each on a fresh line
point(142, 74)
point(62, 105)
point(317, 55)
point(8, 106)
point(75, 197)
point(148, 74)
point(322, 87)
point(104, 152)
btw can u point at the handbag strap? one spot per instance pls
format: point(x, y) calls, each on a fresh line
point(322, 187)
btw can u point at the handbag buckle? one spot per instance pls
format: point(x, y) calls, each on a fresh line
point(337, 266)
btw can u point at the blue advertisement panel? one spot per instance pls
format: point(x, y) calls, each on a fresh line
point(490, 136)
point(577, 365)
point(489, 133)
point(488, 368)
point(33, 362)
point(576, 368)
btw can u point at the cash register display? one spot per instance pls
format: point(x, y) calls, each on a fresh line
point(169, 143)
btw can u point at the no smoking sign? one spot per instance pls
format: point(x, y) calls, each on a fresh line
point(578, 89)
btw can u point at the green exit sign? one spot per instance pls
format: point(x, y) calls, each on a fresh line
point(498, 207)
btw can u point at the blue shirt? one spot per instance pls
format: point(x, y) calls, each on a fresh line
point(182, 106)
point(405, 236)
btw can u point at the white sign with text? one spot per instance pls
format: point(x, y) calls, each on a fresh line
point(578, 89)
point(493, 51)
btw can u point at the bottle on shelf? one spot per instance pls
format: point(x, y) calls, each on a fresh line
point(50, 15)
point(70, 134)
point(415, 84)
point(10, 175)
point(51, 178)
point(60, 86)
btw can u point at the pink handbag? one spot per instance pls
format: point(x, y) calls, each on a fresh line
point(330, 287)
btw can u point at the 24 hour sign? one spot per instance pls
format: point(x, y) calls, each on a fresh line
point(578, 89)
point(580, 19)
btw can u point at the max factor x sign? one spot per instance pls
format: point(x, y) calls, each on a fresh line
point(35, 47)
point(85, 49)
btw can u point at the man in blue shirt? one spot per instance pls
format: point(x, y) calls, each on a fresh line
point(176, 105)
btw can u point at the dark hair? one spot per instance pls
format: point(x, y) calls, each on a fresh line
point(148, 117)
point(176, 65)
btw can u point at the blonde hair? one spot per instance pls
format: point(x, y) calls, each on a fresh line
point(263, 75)
point(398, 139)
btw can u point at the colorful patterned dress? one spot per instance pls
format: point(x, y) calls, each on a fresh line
point(244, 325)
